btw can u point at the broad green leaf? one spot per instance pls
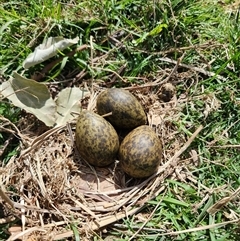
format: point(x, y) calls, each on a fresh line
point(158, 29)
point(174, 201)
point(154, 32)
point(31, 96)
point(68, 102)
point(49, 48)
point(187, 188)
point(141, 39)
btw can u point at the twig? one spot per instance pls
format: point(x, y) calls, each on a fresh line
point(37, 141)
point(107, 114)
point(178, 153)
point(26, 232)
point(157, 82)
point(200, 70)
point(86, 209)
point(206, 227)
point(225, 146)
point(150, 216)
point(104, 222)
point(6, 198)
point(223, 133)
point(181, 49)
point(6, 143)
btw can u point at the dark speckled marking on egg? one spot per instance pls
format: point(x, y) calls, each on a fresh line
point(140, 152)
point(127, 112)
point(96, 139)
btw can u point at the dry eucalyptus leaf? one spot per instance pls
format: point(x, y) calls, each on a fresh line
point(68, 102)
point(212, 103)
point(31, 96)
point(49, 48)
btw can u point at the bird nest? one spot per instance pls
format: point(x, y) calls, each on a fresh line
point(54, 192)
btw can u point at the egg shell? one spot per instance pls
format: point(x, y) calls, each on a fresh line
point(127, 112)
point(96, 139)
point(140, 152)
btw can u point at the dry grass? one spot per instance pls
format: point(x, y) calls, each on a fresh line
point(49, 193)
point(56, 188)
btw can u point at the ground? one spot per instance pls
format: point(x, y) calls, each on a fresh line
point(181, 61)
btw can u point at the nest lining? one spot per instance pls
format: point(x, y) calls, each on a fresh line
point(54, 186)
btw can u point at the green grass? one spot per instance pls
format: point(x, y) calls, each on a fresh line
point(148, 30)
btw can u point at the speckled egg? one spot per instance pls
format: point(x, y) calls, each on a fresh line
point(140, 152)
point(96, 139)
point(127, 112)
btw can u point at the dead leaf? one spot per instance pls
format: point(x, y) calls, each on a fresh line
point(49, 48)
point(31, 96)
point(68, 102)
point(222, 202)
point(212, 103)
